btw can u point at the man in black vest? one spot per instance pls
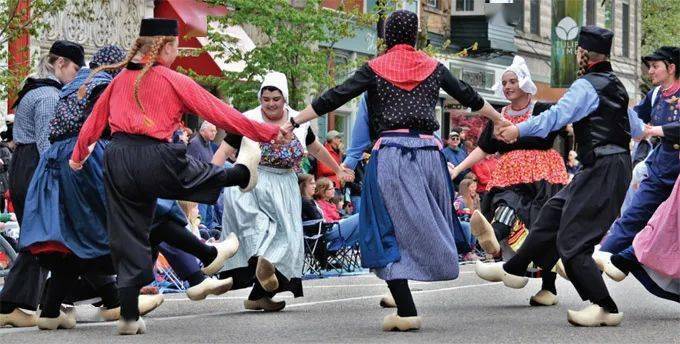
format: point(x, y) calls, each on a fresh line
point(572, 222)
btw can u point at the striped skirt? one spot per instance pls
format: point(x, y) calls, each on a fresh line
point(415, 188)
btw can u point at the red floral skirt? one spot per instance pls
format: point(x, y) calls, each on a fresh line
point(528, 166)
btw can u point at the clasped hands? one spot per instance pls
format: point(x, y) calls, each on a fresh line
point(505, 131)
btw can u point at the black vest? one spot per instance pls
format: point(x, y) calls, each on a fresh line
point(608, 124)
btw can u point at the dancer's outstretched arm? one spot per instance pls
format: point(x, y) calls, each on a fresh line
point(475, 156)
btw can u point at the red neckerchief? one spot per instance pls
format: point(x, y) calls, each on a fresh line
point(403, 66)
point(671, 90)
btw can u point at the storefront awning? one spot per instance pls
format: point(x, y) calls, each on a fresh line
point(193, 17)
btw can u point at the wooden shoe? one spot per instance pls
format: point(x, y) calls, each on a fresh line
point(131, 327)
point(146, 304)
point(613, 272)
point(264, 304)
point(483, 231)
point(559, 268)
point(594, 315)
point(249, 156)
point(543, 298)
point(265, 272)
point(387, 301)
point(394, 322)
point(209, 286)
point(225, 250)
point(493, 272)
point(601, 258)
point(18, 318)
point(63, 321)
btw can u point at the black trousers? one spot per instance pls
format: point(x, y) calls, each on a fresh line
point(24, 283)
point(137, 171)
point(572, 222)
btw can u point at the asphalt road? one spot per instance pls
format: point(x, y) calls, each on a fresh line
point(345, 309)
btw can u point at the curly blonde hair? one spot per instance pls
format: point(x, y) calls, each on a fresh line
point(149, 47)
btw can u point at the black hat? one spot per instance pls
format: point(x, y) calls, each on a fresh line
point(158, 27)
point(69, 50)
point(668, 54)
point(595, 39)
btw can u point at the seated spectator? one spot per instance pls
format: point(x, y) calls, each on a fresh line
point(325, 191)
point(465, 204)
point(339, 232)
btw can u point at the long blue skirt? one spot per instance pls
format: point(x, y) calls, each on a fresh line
point(416, 192)
point(65, 206)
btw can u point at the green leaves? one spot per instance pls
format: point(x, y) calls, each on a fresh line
point(287, 38)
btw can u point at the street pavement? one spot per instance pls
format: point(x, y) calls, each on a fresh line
point(345, 309)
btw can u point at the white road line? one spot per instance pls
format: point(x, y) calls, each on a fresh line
point(296, 305)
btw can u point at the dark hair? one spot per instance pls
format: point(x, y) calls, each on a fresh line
point(336, 199)
point(677, 68)
point(270, 89)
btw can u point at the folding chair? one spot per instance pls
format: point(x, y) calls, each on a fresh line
point(164, 270)
point(313, 238)
point(347, 257)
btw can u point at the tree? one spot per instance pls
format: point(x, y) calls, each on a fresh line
point(660, 27)
point(15, 22)
point(20, 17)
point(288, 37)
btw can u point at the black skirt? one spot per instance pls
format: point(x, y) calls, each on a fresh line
point(24, 162)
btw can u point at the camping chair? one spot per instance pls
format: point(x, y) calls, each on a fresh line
point(164, 271)
point(344, 256)
point(313, 239)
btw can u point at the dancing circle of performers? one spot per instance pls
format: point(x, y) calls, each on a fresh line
point(99, 188)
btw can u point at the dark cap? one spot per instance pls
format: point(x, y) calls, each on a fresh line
point(69, 50)
point(158, 27)
point(595, 39)
point(668, 54)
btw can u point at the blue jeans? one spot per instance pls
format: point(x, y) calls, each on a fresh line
point(343, 233)
point(356, 201)
point(468, 233)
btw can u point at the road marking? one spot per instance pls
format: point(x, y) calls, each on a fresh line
point(296, 305)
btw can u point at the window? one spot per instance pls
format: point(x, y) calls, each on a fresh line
point(465, 5)
point(520, 15)
point(432, 3)
point(535, 26)
point(591, 12)
point(625, 28)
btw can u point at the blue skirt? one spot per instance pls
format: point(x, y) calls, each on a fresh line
point(408, 230)
point(65, 206)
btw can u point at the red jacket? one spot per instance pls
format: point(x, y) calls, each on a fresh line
point(325, 171)
point(483, 170)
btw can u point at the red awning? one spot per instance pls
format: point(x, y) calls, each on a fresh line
point(192, 16)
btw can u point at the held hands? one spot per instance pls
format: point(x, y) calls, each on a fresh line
point(284, 136)
point(77, 166)
point(506, 131)
point(653, 131)
point(345, 173)
point(453, 171)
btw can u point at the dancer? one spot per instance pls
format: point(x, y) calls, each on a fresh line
point(406, 217)
point(529, 172)
point(35, 107)
point(266, 219)
point(140, 165)
point(573, 221)
point(65, 211)
point(660, 107)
